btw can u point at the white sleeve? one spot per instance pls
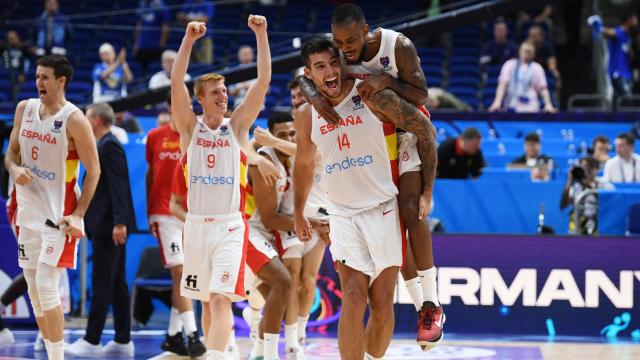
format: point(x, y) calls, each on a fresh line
point(607, 171)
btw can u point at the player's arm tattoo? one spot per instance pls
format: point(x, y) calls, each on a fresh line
point(407, 117)
point(308, 88)
point(411, 84)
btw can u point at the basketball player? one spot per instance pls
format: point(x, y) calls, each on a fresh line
point(217, 150)
point(178, 208)
point(360, 168)
point(163, 154)
point(387, 59)
point(49, 138)
point(315, 210)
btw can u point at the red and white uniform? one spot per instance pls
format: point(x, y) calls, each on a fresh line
point(360, 173)
point(215, 232)
point(384, 62)
point(262, 241)
point(53, 192)
point(163, 154)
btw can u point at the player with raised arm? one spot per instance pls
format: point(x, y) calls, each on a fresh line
point(49, 138)
point(385, 59)
point(359, 159)
point(218, 152)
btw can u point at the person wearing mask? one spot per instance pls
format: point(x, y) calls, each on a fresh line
point(625, 166)
point(520, 83)
point(461, 157)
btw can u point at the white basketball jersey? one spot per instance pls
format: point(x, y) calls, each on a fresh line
point(44, 150)
point(359, 157)
point(383, 62)
point(284, 190)
point(216, 171)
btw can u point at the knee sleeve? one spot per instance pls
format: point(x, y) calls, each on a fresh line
point(47, 278)
point(32, 289)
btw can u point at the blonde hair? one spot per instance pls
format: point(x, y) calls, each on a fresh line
point(198, 85)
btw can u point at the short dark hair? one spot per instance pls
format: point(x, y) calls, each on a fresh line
point(60, 65)
point(278, 118)
point(627, 137)
point(314, 46)
point(600, 138)
point(294, 83)
point(532, 137)
point(592, 163)
point(471, 133)
point(346, 14)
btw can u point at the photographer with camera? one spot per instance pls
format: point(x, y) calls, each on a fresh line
point(581, 178)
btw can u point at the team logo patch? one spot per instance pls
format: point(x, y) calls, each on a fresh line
point(49, 250)
point(191, 282)
point(225, 277)
point(384, 61)
point(357, 102)
point(224, 130)
point(21, 253)
point(57, 124)
point(30, 115)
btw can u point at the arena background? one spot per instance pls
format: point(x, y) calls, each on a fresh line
point(496, 274)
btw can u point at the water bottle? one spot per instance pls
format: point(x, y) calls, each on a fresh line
point(571, 149)
point(563, 133)
point(541, 219)
point(570, 134)
point(492, 134)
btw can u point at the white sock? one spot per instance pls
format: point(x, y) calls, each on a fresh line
point(368, 356)
point(188, 322)
point(291, 335)
point(215, 355)
point(232, 338)
point(415, 291)
point(429, 285)
point(175, 324)
point(258, 348)
point(271, 346)
point(46, 344)
point(55, 351)
point(302, 326)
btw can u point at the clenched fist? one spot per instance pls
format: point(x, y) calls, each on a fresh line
point(257, 23)
point(195, 30)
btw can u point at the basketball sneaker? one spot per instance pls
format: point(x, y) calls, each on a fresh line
point(233, 351)
point(195, 346)
point(175, 344)
point(116, 349)
point(430, 326)
point(295, 353)
point(81, 348)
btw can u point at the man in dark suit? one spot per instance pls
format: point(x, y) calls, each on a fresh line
point(108, 220)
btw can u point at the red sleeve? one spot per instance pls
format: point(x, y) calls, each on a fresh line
point(179, 186)
point(150, 146)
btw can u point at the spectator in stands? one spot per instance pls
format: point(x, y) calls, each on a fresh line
point(619, 50)
point(239, 90)
point(161, 78)
point(111, 76)
point(520, 83)
point(500, 49)
point(442, 99)
point(15, 55)
point(199, 10)
point(54, 31)
point(625, 166)
point(532, 156)
point(149, 41)
point(581, 178)
point(297, 99)
point(461, 157)
point(545, 54)
point(128, 122)
point(600, 148)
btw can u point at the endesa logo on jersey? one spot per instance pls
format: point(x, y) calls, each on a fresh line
point(349, 162)
point(212, 144)
point(212, 180)
point(42, 174)
point(348, 121)
point(170, 155)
